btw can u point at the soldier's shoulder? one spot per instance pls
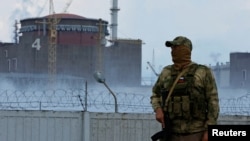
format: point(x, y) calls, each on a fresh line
point(203, 69)
point(201, 66)
point(166, 70)
point(168, 67)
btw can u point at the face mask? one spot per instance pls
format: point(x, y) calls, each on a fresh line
point(181, 56)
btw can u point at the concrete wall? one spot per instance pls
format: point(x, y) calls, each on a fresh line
point(120, 63)
point(84, 126)
point(222, 74)
point(239, 70)
point(234, 120)
point(40, 126)
point(123, 63)
point(122, 127)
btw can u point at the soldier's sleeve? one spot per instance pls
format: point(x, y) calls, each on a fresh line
point(212, 98)
point(155, 98)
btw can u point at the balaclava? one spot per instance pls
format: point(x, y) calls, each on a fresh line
point(181, 51)
point(181, 56)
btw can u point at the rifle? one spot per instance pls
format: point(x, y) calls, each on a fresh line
point(164, 134)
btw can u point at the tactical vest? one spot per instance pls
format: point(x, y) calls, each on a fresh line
point(186, 103)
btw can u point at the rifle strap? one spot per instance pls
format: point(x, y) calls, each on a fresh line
point(175, 82)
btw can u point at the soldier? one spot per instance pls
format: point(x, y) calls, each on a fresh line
point(187, 107)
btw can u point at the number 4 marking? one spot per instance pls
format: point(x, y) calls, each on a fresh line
point(36, 44)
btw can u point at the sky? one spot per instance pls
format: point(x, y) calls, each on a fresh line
point(215, 27)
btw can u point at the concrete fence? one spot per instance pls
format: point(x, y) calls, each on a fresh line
point(84, 126)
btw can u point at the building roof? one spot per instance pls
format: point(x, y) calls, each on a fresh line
point(66, 16)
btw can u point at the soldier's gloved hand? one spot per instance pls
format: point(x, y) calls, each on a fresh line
point(159, 115)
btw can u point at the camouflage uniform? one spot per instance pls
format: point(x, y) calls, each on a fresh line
point(194, 104)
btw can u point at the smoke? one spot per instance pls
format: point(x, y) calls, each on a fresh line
point(215, 56)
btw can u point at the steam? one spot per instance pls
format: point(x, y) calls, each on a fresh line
point(6, 84)
point(25, 9)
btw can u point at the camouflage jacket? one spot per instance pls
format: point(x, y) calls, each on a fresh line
point(195, 106)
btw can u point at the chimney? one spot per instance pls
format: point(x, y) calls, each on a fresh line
point(114, 19)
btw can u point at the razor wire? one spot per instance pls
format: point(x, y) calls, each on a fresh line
point(99, 101)
point(71, 99)
point(235, 106)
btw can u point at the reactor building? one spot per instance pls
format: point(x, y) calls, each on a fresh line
point(69, 48)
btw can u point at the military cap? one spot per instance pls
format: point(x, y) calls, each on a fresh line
point(180, 40)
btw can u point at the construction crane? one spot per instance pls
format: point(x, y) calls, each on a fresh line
point(101, 42)
point(53, 21)
point(68, 3)
point(152, 68)
point(42, 8)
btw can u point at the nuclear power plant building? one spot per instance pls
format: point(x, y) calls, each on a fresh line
point(69, 47)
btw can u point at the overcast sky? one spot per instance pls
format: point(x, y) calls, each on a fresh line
point(216, 27)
